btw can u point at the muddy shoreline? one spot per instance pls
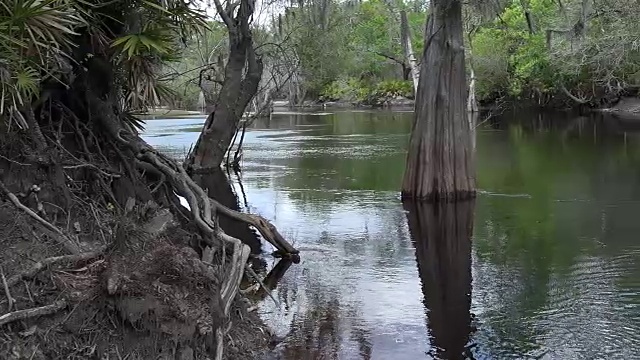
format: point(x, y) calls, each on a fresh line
point(626, 107)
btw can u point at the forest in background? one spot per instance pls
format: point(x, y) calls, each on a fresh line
point(81, 189)
point(554, 53)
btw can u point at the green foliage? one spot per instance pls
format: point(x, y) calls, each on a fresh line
point(345, 90)
point(491, 62)
point(38, 39)
point(33, 37)
point(337, 42)
point(183, 76)
point(357, 91)
point(509, 60)
point(532, 68)
point(395, 88)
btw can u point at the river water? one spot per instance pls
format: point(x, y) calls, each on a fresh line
point(552, 269)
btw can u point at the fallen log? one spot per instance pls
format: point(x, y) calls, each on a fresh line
point(43, 264)
point(33, 312)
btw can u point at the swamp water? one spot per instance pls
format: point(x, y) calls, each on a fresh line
point(552, 268)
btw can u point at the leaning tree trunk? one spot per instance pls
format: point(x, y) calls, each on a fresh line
point(242, 76)
point(440, 159)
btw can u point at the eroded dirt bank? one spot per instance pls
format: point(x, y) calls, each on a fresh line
point(137, 290)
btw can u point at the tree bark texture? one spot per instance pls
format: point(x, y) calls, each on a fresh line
point(243, 72)
point(440, 162)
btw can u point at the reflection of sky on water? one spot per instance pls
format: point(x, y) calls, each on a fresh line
point(351, 249)
point(357, 250)
point(555, 263)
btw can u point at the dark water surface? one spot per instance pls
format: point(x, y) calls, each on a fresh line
point(552, 268)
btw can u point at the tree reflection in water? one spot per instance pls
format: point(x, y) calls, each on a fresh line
point(442, 234)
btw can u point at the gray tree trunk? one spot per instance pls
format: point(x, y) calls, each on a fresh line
point(408, 50)
point(472, 103)
point(242, 75)
point(440, 163)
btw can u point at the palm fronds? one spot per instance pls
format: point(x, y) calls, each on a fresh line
point(33, 34)
point(37, 38)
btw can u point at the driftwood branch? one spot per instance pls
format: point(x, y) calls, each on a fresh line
point(57, 234)
point(31, 313)
point(253, 274)
point(41, 265)
point(6, 290)
point(268, 231)
point(571, 96)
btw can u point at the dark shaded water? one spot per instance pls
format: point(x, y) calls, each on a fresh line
point(552, 269)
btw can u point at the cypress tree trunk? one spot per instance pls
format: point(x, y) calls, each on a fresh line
point(440, 160)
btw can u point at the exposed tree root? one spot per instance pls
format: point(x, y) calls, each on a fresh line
point(204, 211)
point(116, 186)
point(89, 153)
point(34, 312)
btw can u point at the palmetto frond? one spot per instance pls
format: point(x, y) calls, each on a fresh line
point(140, 53)
point(150, 40)
point(26, 83)
point(33, 35)
point(37, 25)
point(131, 120)
point(38, 37)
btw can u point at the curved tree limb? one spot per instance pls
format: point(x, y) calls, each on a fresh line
point(264, 227)
point(571, 96)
